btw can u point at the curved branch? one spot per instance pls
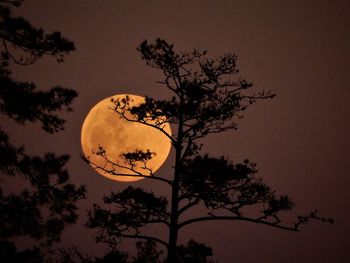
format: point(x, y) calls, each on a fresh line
point(188, 206)
point(15, 60)
point(234, 218)
point(168, 85)
point(113, 171)
point(159, 221)
point(136, 236)
point(150, 125)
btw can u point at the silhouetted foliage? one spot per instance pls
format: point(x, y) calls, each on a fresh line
point(133, 208)
point(113, 256)
point(23, 44)
point(10, 254)
point(147, 252)
point(205, 98)
point(71, 254)
point(194, 252)
point(43, 208)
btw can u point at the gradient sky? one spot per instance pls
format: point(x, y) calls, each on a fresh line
point(300, 139)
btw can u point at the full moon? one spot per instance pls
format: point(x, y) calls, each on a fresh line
point(105, 129)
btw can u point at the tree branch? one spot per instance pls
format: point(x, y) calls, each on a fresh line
point(188, 206)
point(15, 60)
point(136, 236)
point(147, 124)
point(112, 171)
point(295, 227)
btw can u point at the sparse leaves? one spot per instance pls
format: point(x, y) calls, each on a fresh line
point(25, 44)
point(129, 211)
point(209, 99)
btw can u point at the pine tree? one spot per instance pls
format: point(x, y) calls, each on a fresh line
point(207, 96)
point(48, 204)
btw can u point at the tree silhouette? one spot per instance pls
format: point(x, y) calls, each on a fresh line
point(146, 253)
point(43, 208)
point(207, 96)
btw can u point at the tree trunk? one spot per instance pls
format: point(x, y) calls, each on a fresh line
point(173, 231)
point(172, 244)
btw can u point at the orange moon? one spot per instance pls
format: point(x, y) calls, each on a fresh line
point(104, 127)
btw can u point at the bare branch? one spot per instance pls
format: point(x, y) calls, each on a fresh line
point(188, 206)
point(123, 115)
point(27, 62)
point(137, 236)
point(260, 220)
point(113, 171)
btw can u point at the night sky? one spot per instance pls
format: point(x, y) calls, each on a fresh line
point(299, 139)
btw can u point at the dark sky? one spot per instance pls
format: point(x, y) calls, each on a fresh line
point(300, 139)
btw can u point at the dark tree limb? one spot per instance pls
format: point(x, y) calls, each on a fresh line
point(259, 220)
point(149, 238)
point(122, 113)
point(133, 172)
